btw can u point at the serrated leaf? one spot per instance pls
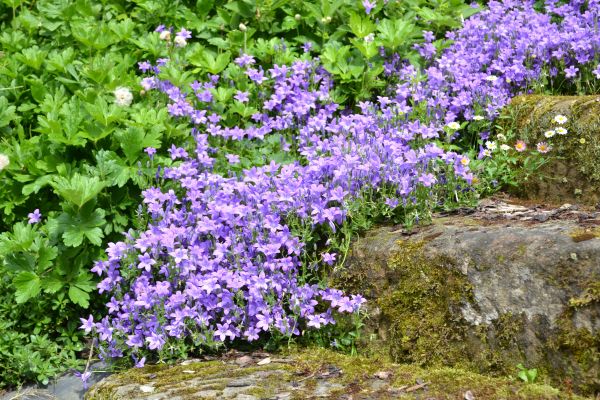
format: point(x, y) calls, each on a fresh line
point(27, 285)
point(45, 256)
point(78, 189)
point(134, 140)
point(78, 296)
point(53, 283)
point(361, 26)
point(76, 228)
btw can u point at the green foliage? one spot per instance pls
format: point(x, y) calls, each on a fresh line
point(527, 375)
point(78, 156)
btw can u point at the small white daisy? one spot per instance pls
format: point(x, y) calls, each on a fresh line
point(561, 131)
point(454, 125)
point(560, 119)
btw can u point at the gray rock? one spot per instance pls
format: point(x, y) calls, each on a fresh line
point(325, 389)
point(66, 387)
point(501, 290)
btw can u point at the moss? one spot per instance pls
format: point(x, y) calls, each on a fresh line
point(590, 295)
point(584, 234)
point(444, 382)
point(583, 368)
point(421, 312)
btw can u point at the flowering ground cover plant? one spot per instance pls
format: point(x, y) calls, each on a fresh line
point(221, 258)
point(278, 133)
point(74, 126)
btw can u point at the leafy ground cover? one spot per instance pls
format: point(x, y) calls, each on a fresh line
point(244, 144)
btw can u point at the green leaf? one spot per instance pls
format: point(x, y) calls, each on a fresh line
point(360, 26)
point(7, 113)
point(83, 225)
point(78, 189)
point(45, 257)
point(134, 140)
point(27, 285)
point(79, 296)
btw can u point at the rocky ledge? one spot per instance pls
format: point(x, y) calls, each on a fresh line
point(310, 374)
point(486, 290)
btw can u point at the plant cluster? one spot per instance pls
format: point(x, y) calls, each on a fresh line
point(279, 130)
point(224, 227)
point(74, 125)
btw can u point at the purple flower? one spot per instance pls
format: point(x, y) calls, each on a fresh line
point(184, 34)
point(85, 376)
point(244, 60)
point(597, 71)
point(87, 324)
point(35, 216)
point(571, 72)
point(151, 151)
point(144, 66)
point(155, 341)
point(242, 97)
point(328, 258)
point(233, 158)
point(368, 6)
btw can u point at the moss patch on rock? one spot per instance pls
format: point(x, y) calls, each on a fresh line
point(314, 371)
point(422, 312)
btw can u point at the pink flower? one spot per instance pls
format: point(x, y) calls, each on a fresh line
point(520, 146)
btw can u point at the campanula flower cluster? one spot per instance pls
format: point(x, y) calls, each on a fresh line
point(219, 259)
point(503, 50)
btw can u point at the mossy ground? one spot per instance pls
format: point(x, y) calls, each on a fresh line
point(356, 378)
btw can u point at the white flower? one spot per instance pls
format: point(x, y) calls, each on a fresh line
point(180, 41)
point(465, 161)
point(4, 161)
point(487, 153)
point(560, 119)
point(123, 96)
point(561, 131)
point(491, 78)
point(491, 145)
point(369, 38)
point(165, 35)
point(478, 118)
point(501, 137)
point(549, 134)
point(504, 147)
point(454, 125)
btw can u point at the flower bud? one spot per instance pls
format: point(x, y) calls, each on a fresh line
point(4, 161)
point(165, 35)
point(243, 27)
point(180, 41)
point(297, 17)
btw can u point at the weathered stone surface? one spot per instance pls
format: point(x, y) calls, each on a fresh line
point(574, 176)
point(314, 374)
point(488, 291)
